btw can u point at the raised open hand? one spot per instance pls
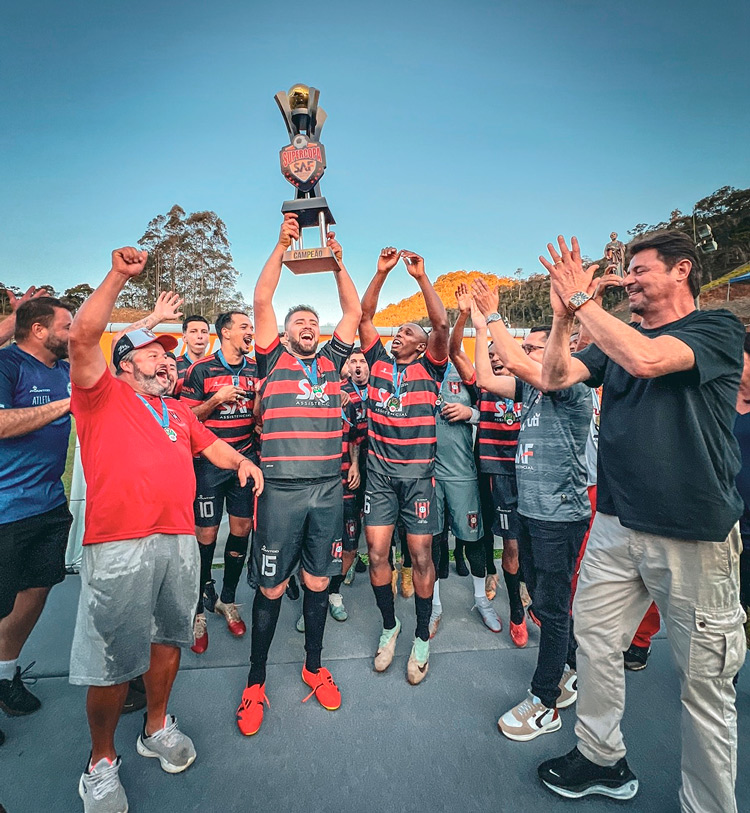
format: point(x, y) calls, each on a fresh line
point(387, 260)
point(566, 269)
point(463, 298)
point(167, 307)
point(486, 298)
point(414, 263)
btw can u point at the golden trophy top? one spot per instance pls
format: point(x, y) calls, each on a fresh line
point(299, 97)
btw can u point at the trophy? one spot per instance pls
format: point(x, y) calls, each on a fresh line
point(303, 162)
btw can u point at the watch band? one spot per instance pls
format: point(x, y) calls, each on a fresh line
point(493, 317)
point(578, 299)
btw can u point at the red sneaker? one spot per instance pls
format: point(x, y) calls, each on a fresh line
point(200, 635)
point(519, 634)
point(323, 687)
point(235, 624)
point(250, 711)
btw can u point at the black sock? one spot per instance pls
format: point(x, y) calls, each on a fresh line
point(384, 599)
point(265, 616)
point(235, 553)
point(336, 582)
point(489, 552)
point(424, 609)
point(513, 585)
point(442, 569)
point(207, 558)
point(315, 611)
point(405, 555)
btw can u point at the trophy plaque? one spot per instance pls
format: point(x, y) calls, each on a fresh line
point(303, 162)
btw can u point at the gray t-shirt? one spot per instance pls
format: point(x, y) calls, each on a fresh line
point(551, 455)
point(455, 443)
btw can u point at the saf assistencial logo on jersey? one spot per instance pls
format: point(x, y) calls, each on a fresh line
point(507, 411)
point(313, 393)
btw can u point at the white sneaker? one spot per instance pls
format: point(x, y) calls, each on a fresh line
point(487, 613)
point(101, 789)
point(568, 688)
point(174, 750)
point(528, 720)
point(336, 607)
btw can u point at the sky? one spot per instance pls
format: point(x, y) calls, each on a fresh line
point(472, 133)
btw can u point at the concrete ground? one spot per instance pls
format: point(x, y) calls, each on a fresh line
point(390, 747)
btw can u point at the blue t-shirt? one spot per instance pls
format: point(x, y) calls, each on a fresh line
point(32, 464)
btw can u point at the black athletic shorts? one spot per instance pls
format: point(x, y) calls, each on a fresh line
point(32, 553)
point(352, 522)
point(297, 522)
point(388, 499)
point(212, 487)
point(505, 500)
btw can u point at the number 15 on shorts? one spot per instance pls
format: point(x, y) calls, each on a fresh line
point(268, 564)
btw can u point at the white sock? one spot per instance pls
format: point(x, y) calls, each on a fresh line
point(478, 586)
point(436, 593)
point(8, 669)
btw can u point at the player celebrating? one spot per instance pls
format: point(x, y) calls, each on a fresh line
point(403, 394)
point(300, 518)
point(220, 389)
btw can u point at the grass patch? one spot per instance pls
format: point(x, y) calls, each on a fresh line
point(67, 477)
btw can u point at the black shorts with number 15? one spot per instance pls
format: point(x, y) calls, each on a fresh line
point(297, 522)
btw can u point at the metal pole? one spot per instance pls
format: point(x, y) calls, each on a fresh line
point(322, 227)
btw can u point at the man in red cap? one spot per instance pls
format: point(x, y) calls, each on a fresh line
point(139, 577)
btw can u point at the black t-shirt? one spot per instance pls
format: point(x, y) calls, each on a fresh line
point(667, 455)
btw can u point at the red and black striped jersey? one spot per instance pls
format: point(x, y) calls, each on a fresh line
point(401, 413)
point(350, 435)
point(497, 433)
point(233, 423)
point(301, 411)
point(184, 363)
point(358, 397)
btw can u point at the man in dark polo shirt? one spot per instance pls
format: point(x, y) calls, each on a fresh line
point(220, 389)
point(300, 518)
point(34, 515)
point(403, 392)
point(667, 509)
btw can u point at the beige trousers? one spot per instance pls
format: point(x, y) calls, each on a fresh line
point(696, 588)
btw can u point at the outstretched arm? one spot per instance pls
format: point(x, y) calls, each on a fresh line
point(86, 358)
point(437, 344)
point(266, 326)
point(514, 359)
point(458, 356)
point(387, 260)
point(351, 310)
point(503, 385)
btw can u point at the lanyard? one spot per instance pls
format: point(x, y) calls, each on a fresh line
point(398, 379)
point(311, 372)
point(223, 362)
point(162, 420)
point(343, 415)
point(358, 391)
point(445, 375)
point(187, 357)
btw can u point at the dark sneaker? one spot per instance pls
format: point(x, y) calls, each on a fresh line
point(136, 697)
point(292, 589)
point(573, 776)
point(636, 657)
point(15, 699)
point(209, 596)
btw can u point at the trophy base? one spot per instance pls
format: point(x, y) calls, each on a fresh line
point(308, 211)
point(311, 260)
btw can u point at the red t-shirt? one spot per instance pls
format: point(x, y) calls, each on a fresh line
point(138, 482)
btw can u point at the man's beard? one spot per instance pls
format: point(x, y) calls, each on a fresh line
point(297, 349)
point(58, 347)
point(150, 384)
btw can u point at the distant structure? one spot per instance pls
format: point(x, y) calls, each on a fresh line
point(614, 253)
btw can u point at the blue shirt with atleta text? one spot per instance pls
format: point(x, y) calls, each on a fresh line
point(32, 464)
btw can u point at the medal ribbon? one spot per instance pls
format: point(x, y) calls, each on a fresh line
point(235, 375)
point(398, 379)
point(311, 372)
point(163, 421)
point(358, 391)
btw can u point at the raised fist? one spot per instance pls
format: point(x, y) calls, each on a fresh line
point(128, 261)
point(289, 230)
point(414, 263)
point(388, 258)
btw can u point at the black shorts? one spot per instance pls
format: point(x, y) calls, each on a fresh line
point(212, 487)
point(297, 522)
point(352, 523)
point(505, 500)
point(388, 499)
point(32, 553)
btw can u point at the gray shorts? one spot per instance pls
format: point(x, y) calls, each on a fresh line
point(462, 499)
point(134, 592)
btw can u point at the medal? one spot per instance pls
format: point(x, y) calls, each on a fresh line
point(219, 356)
point(235, 381)
point(317, 390)
point(163, 421)
point(171, 434)
point(510, 418)
point(394, 404)
point(439, 402)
